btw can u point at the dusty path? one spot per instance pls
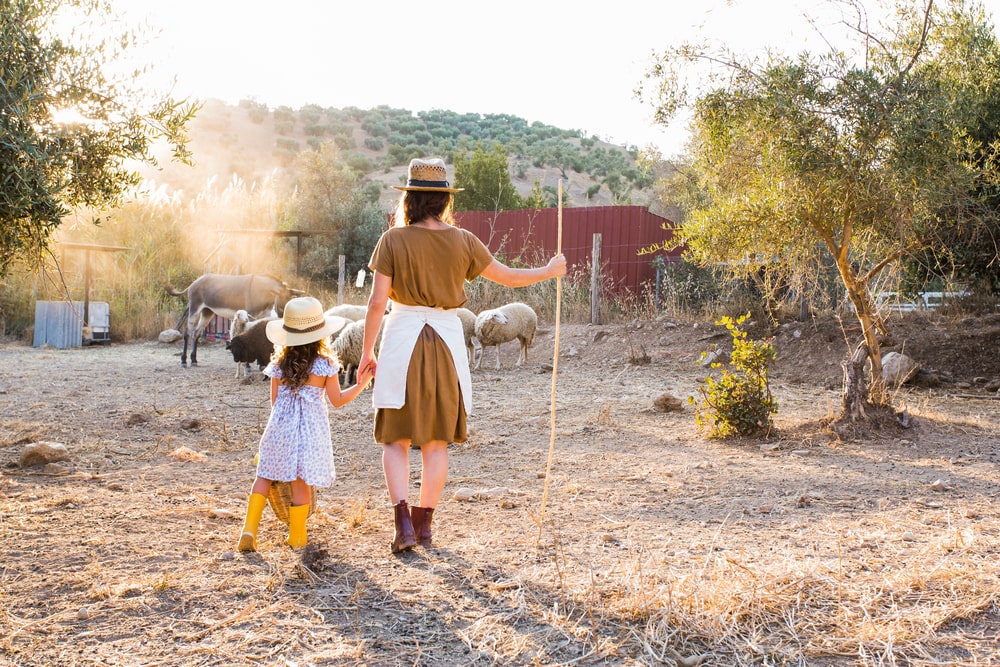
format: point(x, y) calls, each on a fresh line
point(658, 543)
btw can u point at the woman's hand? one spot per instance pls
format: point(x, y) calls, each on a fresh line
point(367, 365)
point(556, 267)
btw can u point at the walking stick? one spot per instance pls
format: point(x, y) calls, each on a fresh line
point(555, 372)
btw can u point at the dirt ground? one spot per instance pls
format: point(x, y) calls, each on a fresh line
point(657, 544)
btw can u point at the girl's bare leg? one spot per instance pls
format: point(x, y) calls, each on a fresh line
point(300, 493)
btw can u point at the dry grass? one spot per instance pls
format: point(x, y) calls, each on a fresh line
point(659, 547)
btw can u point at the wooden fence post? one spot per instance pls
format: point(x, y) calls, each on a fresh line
point(341, 275)
point(595, 281)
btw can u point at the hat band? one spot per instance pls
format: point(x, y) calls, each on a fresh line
point(413, 183)
point(316, 327)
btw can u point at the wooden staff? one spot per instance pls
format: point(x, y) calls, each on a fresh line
point(555, 372)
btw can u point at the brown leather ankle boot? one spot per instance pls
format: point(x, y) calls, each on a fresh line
point(422, 524)
point(404, 538)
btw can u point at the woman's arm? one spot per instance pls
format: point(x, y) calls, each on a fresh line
point(274, 389)
point(500, 273)
point(377, 301)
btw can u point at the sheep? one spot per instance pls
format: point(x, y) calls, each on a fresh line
point(241, 320)
point(349, 311)
point(347, 346)
point(251, 346)
point(469, 328)
point(503, 324)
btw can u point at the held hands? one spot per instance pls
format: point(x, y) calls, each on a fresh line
point(365, 375)
point(556, 267)
point(367, 366)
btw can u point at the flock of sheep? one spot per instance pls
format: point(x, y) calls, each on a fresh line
point(490, 328)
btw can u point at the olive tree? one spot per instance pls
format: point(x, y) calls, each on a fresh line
point(858, 152)
point(73, 126)
point(485, 177)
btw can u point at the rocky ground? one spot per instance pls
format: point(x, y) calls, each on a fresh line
point(616, 533)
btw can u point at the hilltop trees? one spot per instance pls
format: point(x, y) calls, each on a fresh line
point(485, 176)
point(328, 195)
point(865, 156)
point(68, 125)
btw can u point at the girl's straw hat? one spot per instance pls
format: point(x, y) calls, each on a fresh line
point(304, 322)
point(427, 176)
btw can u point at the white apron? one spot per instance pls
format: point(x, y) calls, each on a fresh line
point(403, 325)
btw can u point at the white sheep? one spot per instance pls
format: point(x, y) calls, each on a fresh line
point(238, 325)
point(503, 324)
point(349, 311)
point(348, 344)
point(469, 329)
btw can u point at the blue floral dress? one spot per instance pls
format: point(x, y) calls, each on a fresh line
point(296, 441)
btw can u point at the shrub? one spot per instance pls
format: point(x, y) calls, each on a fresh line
point(740, 401)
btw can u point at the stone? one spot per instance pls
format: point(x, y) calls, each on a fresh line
point(170, 336)
point(898, 368)
point(40, 453)
point(667, 403)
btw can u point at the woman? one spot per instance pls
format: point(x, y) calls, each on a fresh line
point(424, 391)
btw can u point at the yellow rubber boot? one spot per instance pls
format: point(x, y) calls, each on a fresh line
point(255, 507)
point(297, 515)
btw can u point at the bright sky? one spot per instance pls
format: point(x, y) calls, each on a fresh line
point(569, 64)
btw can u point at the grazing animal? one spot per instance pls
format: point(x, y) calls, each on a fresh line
point(347, 346)
point(503, 324)
point(253, 345)
point(241, 320)
point(469, 329)
point(250, 346)
point(223, 295)
point(349, 311)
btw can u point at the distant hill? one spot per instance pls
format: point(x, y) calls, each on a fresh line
point(254, 143)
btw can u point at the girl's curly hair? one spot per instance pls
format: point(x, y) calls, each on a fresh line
point(296, 360)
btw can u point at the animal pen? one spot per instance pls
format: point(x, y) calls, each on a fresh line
point(67, 323)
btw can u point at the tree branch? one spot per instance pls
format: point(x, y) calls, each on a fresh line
point(889, 259)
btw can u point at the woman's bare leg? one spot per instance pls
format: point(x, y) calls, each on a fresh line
point(434, 472)
point(396, 467)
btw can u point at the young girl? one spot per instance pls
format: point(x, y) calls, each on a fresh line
point(295, 446)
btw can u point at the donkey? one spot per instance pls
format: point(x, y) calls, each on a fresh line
point(223, 295)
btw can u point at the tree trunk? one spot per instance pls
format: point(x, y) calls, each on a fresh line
point(864, 309)
point(855, 387)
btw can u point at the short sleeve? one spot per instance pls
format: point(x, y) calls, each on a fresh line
point(272, 370)
point(481, 256)
point(325, 367)
point(381, 261)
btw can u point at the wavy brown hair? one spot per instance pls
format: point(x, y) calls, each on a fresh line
point(296, 360)
point(416, 205)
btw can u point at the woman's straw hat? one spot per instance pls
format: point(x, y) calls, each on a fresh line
point(427, 176)
point(304, 322)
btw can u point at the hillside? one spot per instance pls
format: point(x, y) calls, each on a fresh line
point(256, 145)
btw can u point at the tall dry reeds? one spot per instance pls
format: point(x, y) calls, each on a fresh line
point(155, 240)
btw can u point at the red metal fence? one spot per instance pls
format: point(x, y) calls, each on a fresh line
point(531, 236)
